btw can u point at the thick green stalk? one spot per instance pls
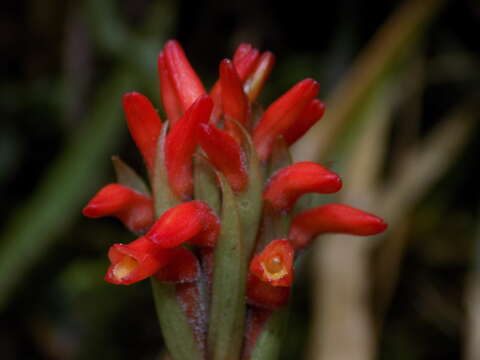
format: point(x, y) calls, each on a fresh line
point(227, 314)
point(268, 344)
point(177, 332)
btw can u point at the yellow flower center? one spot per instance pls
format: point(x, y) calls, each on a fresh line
point(125, 267)
point(274, 268)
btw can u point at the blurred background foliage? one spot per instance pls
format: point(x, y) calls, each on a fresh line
point(401, 80)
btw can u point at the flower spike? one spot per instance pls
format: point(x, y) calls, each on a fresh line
point(288, 184)
point(192, 221)
point(255, 82)
point(225, 154)
point(144, 125)
point(135, 210)
point(274, 264)
point(280, 115)
point(312, 113)
point(136, 261)
point(183, 78)
point(333, 218)
point(181, 144)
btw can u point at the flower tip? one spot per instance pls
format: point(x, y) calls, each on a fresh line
point(275, 263)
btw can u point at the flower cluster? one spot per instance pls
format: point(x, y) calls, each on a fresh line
point(217, 146)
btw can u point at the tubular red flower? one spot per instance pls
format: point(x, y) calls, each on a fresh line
point(181, 144)
point(275, 263)
point(144, 125)
point(255, 82)
point(135, 210)
point(289, 183)
point(312, 113)
point(185, 268)
point(136, 261)
point(332, 218)
point(265, 295)
point(168, 93)
point(244, 59)
point(280, 115)
point(183, 78)
point(225, 154)
point(192, 221)
point(234, 101)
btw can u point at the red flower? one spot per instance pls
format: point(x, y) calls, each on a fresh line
point(180, 85)
point(181, 144)
point(332, 218)
point(144, 125)
point(235, 103)
point(282, 114)
point(291, 182)
point(136, 261)
point(225, 154)
point(135, 210)
point(192, 221)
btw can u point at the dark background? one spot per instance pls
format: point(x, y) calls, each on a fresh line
point(65, 67)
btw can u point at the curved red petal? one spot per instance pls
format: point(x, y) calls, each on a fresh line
point(312, 113)
point(289, 183)
point(144, 125)
point(225, 154)
point(192, 221)
point(333, 218)
point(183, 78)
point(280, 115)
point(135, 210)
point(181, 144)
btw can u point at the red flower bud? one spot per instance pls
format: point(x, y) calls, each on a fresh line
point(265, 295)
point(244, 59)
point(136, 261)
point(183, 78)
point(255, 82)
point(181, 144)
point(275, 263)
point(144, 125)
point(225, 154)
point(234, 101)
point(288, 184)
point(332, 218)
point(312, 113)
point(245, 62)
point(280, 115)
point(168, 93)
point(185, 268)
point(192, 221)
point(135, 210)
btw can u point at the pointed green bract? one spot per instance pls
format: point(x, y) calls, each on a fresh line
point(163, 195)
point(205, 183)
point(250, 201)
point(227, 314)
point(129, 177)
